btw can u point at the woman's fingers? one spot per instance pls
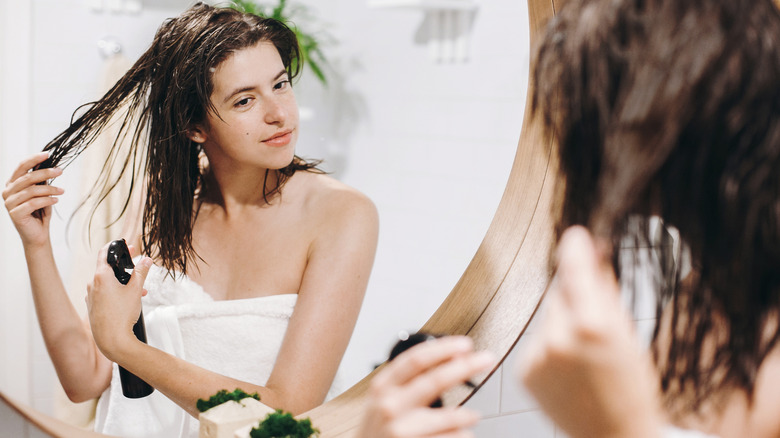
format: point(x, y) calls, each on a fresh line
point(23, 195)
point(586, 283)
point(14, 200)
point(28, 164)
point(32, 205)
point(20, 180)
point(400, 394)
point(422, 373)
point(420, 358)
point(429, 386)
point(102, 260)
point(578, 267)
point(32, 178)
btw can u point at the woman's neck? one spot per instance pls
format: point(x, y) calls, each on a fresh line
point(236, 191)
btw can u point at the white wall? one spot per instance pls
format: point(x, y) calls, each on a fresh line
point(433, 148)
point(15, 306)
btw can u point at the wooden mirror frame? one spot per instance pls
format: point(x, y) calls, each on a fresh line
point(502, 287)
point(496, 296)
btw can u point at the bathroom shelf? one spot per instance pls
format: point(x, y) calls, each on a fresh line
point(448, 25)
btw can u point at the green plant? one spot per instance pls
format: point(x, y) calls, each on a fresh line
point(221, 397)
point(282, 425)
point(311, 53)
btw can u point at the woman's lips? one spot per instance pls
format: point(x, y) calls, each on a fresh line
point(280, 139)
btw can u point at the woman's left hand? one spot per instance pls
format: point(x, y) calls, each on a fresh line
point(113, 308)
point(586, 367)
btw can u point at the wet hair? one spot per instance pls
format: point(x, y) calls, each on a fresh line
point(671, 108)
point(163, 95)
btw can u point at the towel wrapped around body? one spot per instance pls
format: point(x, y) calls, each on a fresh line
point(235, 338)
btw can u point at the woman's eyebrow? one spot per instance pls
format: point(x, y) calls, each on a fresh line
point(237, 91)
point(248, 88)
point(281, 73)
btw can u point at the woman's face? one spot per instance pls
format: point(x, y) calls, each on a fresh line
point(256, 120)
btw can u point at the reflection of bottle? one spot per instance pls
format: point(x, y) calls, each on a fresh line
point(119, 259)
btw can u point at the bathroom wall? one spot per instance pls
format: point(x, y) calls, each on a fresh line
point(432, 145)
point(14, 112)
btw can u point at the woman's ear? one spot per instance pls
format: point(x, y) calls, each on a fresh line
point(197, 134)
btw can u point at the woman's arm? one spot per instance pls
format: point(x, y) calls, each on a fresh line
point(83, 372)
point(329, 301)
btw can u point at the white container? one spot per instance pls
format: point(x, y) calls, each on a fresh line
point(222, 421)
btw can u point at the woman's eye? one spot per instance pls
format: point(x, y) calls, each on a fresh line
point(282, 85)
point(243, 102)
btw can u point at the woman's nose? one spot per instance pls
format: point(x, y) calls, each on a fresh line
point(275, 110)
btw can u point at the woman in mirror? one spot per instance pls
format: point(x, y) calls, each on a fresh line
point(662, 109)
point(255, 262)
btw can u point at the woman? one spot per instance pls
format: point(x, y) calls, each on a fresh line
point(669, 109)
point(255, 262)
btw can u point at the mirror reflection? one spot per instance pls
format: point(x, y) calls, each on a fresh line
point(429, 142)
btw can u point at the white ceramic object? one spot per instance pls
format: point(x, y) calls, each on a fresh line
point(222, 421)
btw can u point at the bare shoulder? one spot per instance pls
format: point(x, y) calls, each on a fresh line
point(334, 203)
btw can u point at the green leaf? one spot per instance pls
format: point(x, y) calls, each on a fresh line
point(282, 425)
point(311, 54)
point(315, 68)
point(221, 397)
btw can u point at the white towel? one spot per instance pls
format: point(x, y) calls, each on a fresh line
point(236, 338)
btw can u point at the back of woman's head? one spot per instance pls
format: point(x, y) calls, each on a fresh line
point(165, 94)
point(672, 108)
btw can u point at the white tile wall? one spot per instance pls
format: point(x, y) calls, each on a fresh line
point(518, 413)
point(15, 310)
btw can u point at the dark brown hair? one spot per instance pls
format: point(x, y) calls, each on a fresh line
point(165, 93)
point(672, 108)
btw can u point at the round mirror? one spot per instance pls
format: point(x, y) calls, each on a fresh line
point(430, 140)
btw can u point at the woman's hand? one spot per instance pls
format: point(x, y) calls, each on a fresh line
point(586, 367)
point(113, 308)
point(23, 196)
point(401, 393)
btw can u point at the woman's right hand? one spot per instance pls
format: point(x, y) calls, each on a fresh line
point(400, 394)
point(23, 196)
